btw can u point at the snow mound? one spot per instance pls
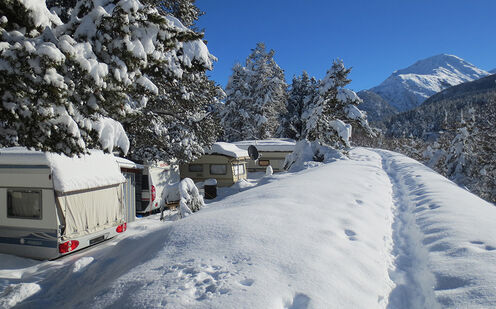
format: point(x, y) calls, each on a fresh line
point(82, 263)
point(16, 293)
point(310, 154)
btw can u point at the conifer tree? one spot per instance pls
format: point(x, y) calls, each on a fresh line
point(258, 92)
point(302, 93)
point(234, 116)
point(333, 106)
point(37, 109)
point(124, 60)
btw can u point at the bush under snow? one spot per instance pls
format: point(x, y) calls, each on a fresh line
point(191, 200)
point(309, 154)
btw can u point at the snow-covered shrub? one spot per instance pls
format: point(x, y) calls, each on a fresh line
point(309, 154)
point(191, 200)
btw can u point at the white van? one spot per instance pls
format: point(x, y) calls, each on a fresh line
point(51, 205)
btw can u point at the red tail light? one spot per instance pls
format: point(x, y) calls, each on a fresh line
point(154, 193)
point(68, 246)
point(121, 228)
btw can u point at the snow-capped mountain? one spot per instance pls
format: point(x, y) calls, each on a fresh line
point(493, 71)
point(407, 88)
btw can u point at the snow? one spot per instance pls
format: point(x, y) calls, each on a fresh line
point(305, 154)
point(85, 57)
point(343, 130)
point(227, 149)
point(122, 162)
point(93, 170)
point(191, 200)
point(111, 134)
point(378, 230)
point(16, 293)
point(148, 84)
point(353, 112)
point(49, 50)
point(407, 88)
point(346, 95)
point(271, 144)
point(80, 264)
point(210, 182)
point(197, 50)
point(40, 14)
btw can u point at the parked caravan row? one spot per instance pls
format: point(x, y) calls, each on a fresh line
point(51, 204)
point(223, 161)
point(271, 152)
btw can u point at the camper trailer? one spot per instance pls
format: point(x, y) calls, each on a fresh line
point(155, 180)
point(51, 205)
point(271, 152)
point(224, 162)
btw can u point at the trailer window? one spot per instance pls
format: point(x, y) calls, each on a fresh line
point(263, 162)
point(218, 169)
point(239, 169)
point(24, 204)
point(195, 168)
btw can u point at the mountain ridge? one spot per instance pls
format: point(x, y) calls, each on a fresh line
point(407, 88)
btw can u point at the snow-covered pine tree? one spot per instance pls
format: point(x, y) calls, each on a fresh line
point(124, 60)
point(37, 107)
point(256, 97)
point(301, 94)
point(157, 72)
point(267, 92)
point(234, 116)
point(459, 157)
point(325, 122)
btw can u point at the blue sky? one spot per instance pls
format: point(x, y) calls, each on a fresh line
point(375, 37)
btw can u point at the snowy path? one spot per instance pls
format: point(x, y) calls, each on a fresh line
point(414, 282)
point(444, 246)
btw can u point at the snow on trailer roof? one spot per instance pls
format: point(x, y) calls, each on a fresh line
point(227, 149)
point(272, 144)
point(94, 170)
point(122, 162)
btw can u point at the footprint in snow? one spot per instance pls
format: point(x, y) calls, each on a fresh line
point(247, 282)
point(482, 245)
point(351, 234)
point(299, 301)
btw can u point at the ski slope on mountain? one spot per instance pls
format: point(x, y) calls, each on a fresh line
point(379, 230)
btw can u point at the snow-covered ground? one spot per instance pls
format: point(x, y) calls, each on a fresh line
point(377, 231)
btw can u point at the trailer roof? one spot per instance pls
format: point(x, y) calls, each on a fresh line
point(227, 149)
point(272, 144)
point(122, 162)
point(93, 170)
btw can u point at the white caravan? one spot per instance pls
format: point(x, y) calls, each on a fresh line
point(51, 205)
point(155, 180)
